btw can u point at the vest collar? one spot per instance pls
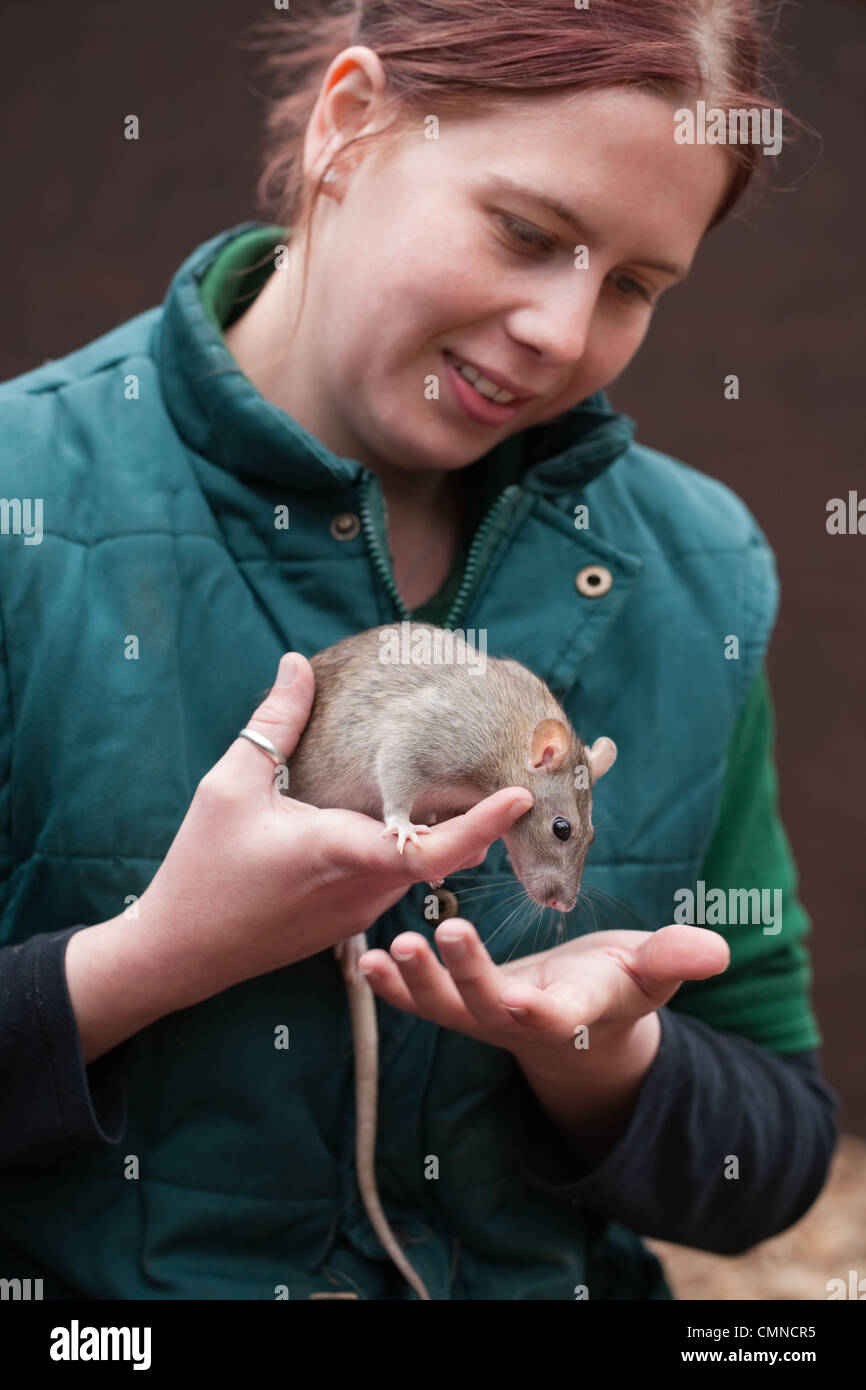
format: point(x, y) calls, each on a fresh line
point(220, 414)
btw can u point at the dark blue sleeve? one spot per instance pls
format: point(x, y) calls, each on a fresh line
point(708, 1097)
point(50, 1102)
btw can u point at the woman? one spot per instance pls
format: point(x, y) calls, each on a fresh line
point(299, 445)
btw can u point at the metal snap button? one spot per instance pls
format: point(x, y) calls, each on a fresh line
point(448, 903)
point(345, 526)
point(593, 581)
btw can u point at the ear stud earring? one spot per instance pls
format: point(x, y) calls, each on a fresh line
point(330, 176)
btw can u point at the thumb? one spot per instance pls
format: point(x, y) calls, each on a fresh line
point(281, 718)
point(676, 953)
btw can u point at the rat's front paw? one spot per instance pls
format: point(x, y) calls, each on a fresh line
point(403, 828)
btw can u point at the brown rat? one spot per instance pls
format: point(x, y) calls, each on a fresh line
point(419, 723)
point(415, 742)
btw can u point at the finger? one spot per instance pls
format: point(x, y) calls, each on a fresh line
point(473, 861)
point(679, 952)
point(477, 979)
point(281, 717)
point(384, 977)
point(467, 838)
point(464, 840)
point(442, 851)
point(430, 986)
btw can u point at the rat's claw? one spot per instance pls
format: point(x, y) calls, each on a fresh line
point(403, 828)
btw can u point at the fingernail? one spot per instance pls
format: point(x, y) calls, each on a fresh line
point(516, 1009)
point(399, 955)
point(521, 802)
point(456, 945)
point(287, 670)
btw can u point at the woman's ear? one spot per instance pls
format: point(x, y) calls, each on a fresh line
point(349, 100)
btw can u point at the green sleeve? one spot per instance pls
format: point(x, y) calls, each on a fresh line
point(764, 994)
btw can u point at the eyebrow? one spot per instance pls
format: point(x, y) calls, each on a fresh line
point(506, 185)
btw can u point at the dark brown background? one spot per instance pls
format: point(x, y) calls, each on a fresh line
point(96, 225)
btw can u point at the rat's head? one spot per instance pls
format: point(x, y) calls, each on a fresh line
point(548, 845)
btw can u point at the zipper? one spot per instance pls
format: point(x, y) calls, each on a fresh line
point(481, 546)
point(369, 500)
point(481, 542)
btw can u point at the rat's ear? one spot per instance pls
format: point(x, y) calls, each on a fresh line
point(602, 755)
point(548, 746)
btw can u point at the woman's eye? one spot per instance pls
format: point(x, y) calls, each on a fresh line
point(526, 236)
point(628, 287)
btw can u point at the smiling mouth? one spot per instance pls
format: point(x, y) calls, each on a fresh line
point(490, 390)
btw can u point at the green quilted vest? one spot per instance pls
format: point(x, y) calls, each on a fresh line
point(160, 468)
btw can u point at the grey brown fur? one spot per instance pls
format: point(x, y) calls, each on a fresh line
point(425, 742)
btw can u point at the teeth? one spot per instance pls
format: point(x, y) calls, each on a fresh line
point(483, 385)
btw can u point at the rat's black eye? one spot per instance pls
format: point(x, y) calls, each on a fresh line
point(561, 828)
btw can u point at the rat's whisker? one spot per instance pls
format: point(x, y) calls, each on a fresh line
point(503, 895)
point(492, 882)
point(602, 820)
point(535, 918)
point(498, 877)
point(483, 888)
point(518, 898)
point(593, 890)
point(504, 923)
point(524, 898)
point(562, 928)
point(546, 926)
point(499, 893)
point(533, 925)
point(584, 901)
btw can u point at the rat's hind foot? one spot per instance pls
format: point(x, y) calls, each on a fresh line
point(435, 882)
point(403, 828)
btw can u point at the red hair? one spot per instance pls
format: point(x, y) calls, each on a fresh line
point(460, 55)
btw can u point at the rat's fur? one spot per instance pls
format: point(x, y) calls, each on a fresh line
point(428, 741)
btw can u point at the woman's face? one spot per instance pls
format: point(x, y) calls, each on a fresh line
point(447, 249)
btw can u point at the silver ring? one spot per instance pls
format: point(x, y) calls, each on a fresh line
point(265, 744)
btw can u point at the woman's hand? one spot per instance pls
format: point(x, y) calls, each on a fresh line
point(255, 880)
point(580, 1019)
point(607, 978)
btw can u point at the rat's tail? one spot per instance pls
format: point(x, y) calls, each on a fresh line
point(365, 1034)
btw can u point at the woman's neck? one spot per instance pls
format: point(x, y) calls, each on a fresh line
point(423, 533)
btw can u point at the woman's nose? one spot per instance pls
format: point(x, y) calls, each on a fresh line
point(557, 325)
